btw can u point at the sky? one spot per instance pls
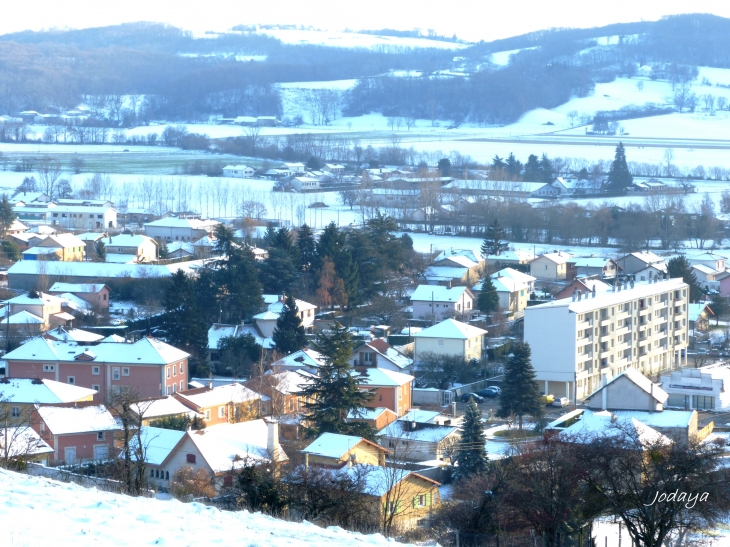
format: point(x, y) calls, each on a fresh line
point(469, 19)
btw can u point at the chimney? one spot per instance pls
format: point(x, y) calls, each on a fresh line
point(210, 384)
point(351, 460)
point(453, 409)
point(272, 441)
point(580, 294)
point(575, 293)
point(594, 290)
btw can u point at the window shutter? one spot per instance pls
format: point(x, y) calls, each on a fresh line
point(415, 501)
point(397, 506)
point(428, 499)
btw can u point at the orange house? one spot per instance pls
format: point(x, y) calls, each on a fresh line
point(231, 403)
point(392, 389)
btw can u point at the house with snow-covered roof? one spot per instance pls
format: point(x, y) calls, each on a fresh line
point(630, 390)
point(266, 320)
point(63, 334)
point(595, 265)
point(23, 444)
point(377, 417)
point(438, 302)
point(633, 263)
point(585, 285)
point(44, 311)
point(179, 229)
point(379, 354)
point(391, 389)
point(280, 389)
point(550, 266)
point(139, 247)
point(454, 266)
point(239, 171)
point(158, 408)
point(62, 247)
point(231, 403)
point(19, 396)
point(305, 359)
point(449, 337)
point(149, 366)
point(96, 294)
point(418, 441)
point(516, 257)
point(332, 450)
point(77, 432)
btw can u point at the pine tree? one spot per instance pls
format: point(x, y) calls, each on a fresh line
point(520, 394)
point(494, 243)
point(236, 281)
point(162, 251)
point(269, 236)
point(10, 250)
point(289, 335)
point(547, 171)
point(444, 166)
point(238, 355)
point(347, 270)
point(278, 271)
point(619, 177)
point(532, 169)
point(679, 266)
point(471, 456)
point(513, 166)
point(99, 251)
point(334, 393)
point(224, 239)
point(305, 247)
point(7, 215)
point(183, 322)
point(498, 163)
point(488, 300)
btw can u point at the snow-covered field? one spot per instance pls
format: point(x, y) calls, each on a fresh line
point(36, 511)
point(355, 40)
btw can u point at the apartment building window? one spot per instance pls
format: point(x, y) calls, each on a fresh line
point(181, 368)
point(168, 391)
point(168, 371)
point(125, 371)
point(115, 373)
point(95, 371)
point(181, 385)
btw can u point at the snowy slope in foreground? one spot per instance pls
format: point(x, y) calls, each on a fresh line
point(36, 511)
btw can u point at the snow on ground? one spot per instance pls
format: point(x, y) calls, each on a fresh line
point(501, 58)
point(73, 515)
point(355, 40)
point(340, 85)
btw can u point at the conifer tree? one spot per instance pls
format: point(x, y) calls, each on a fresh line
point(183, 323)
point(99, 251)
point(289, 335)
point(7, 215)
point(162, 251)
point(520, 394)
point(471, 456)
point(619, 177)
point(679, 266)
point(532, 169)
point(547, 171)
point(513, 166)
point(488, 300)
point(305, 246)
point(335, 392)
point(224, 239)
point(494, 242)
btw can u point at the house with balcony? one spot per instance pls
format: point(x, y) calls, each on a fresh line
point(379, 354)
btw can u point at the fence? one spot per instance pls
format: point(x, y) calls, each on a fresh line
point(703, 433)
point(62, 475)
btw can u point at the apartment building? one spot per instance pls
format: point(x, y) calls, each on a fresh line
point(579, 340)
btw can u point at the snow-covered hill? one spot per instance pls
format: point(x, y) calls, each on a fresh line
point(36, 511)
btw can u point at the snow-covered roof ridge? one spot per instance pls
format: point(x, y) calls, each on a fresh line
point(207, 397)
point(76, 287)
point(30, 391)
point(334, 445)
point(437, 293)
point(640, 381)
point(64, 420)
point(385, 377)
point(450, 328)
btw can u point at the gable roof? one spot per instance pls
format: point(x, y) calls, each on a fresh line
point(192, 223)
point(206, 397)
point(22, 318)
point(157, 443)
point(35, 299)
point(30, 391)
point(77, 287)
point(335, 446)
point(305, 358)
point(68, 420)
point(558, 258)
point(516, 275)
point(695, 310)
point(23, 441)
point(437, 293)
point(450, 328)
point(388, 352)
point(638, 379)
point(72, 335)
point(380, 480)
point(385, 377)
point(609, 424)
point(158, 407)
point(369, 413)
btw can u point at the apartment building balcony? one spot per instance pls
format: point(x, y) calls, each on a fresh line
point(583, 357)
point(620, 316)
point(623, 346)
point(585, 340)
point(587, 324)
point(622, 331)
point(660, 305)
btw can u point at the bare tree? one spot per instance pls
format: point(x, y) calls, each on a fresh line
point(19, 443)
point(49, 172)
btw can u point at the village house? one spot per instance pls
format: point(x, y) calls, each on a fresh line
point(62, 247)
point(36, 308)
point(19, 396)
point(575, 341)
point(630, 390)
point(706, 277)
point(454, 267)
point(96, 294)
point(699, 317)
point(225, 404)
point(304, 184)
point(180, 249)
point(550, 266)
point(377, 417)
point(335, 451)
point(266, 321)
point(450, 337)
point(709, 259)
point(378, 353)
point(654, 271)
point(391, 389)
point(26, 240)
point(179, 229)
point(513, 289)
point(149, 366)
point(517, 258)
point(592, 265)
point(63, 334)
point(281, 389)
point(126, 248)
point(419, 441)
point(437, 302)
point(22, 444)
point(239, 171)
point(306, 359)
point(585, 285)
point(77, 432)
point(633, 263)
point(158, 408)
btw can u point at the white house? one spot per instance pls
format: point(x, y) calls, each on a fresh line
point(710, 260)
point(179, 229)
point(636, 262)
point(450, 337)
point(454, 266)
point(550, 266)
point(513, 294)
point(304, 184)
point(238, 171)
point(439, 302)
point(706, 388)
point(140, 247)
point(266, 320)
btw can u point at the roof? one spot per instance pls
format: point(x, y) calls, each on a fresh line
point(459, 260)
point(289, 381)
point(704, 269)
point(590, 261)
point(65, 240)
point(444, 273)
point(437, 293)
point(558, 258)
point(68, 420)
point(127, 240)
point(206, 397)
point(695, 311)
point(159, 407)
point(41, 251)
point(22, 318)
point(28, 390)
point(72, 335)
point(453, 253)
point(505, 284)
point(157, 443)
point(389, 352)
point(75, 303)
point(385, 377)
point(707, 256)
point(450, 328)
point(379, 480)
point(147, 351)
point(645, 256)
point(368, 413)
point(335, 446)
point(423, 416)
point(77, 287)
point(305, 358)
point(518, 255)
point(35, 299)
point(607, 424)
point(637, 378)
point(23, 441)
point(98, 270)
point(513, 274)
point(228, 446)
point(425, 432)
point(192, 223)
point(91, 236)
point(601, 300)
point(239, 167)
point(183, 246)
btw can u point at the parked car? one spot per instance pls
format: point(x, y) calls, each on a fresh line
point(547, 400)
point(488, 393)
point(495, 388)
point(563, 401)
point(477, 398)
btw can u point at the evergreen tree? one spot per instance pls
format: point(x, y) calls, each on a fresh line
point(347, 271)
point(679, 266)
point(513, 166)
point(238, 355)
point(278, 271)
point(305, 246)
point(99, 251)
point(498, 163)
point(494, 242)
point(532, 169)
point(381, 232)
point(444, 166)
point(224, 239)
point(269, 236)
point(547, 171)
point(289, 335)
point(619, 177)
point(10, 250)
point(334, 393)
point(331, 243)
point(283, 240)
point(488, 300)
point(370, 263)
point(162, 251)
point(520, 394)
point(471, 456)
point(312, 164)
point(183, 322)
point(238, 287)
point(7, 215)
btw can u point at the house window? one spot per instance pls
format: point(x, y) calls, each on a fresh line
point(15, 412)
point(125, 371)
point(181, 385)
point(96, 387)
point(392, 507)
point(43, 428)
point(49, 368)
point(95, 371)
point(221, 412)
point(115, 373)
point(207, 414)
point(169, 390)
point(168, 371)
point(72, 380)
point(368, 357)
point(422, 500)
point(174, 371)
point(191, 458)
point(181, 368)
point(100, 436)
point(152, 473)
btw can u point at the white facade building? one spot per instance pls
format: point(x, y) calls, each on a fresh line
point(575, 342)
point(706, 388)
point(179, 229)
point(437, 302)
point(238, 171)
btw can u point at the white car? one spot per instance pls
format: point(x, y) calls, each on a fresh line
point(563, 401)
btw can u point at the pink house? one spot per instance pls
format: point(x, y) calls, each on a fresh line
point(96, 294)
point(149, 366)
point(724, 280)
point(77, 432)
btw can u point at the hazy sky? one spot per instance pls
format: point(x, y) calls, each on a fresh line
point(469, 19)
